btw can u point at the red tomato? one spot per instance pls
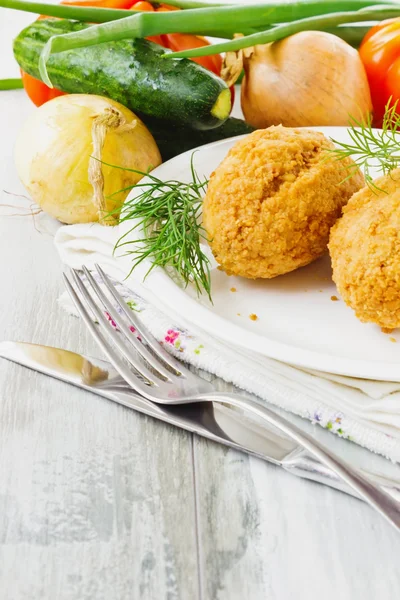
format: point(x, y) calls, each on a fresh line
point(379, 52)
point(378, 27)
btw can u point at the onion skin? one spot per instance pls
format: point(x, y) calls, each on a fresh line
point(54, 149)
point(312, 78)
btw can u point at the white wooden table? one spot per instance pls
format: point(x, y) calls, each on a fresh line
point(98, 502)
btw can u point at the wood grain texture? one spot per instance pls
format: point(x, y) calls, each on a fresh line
point(266, 534)
point(96, 501)
point(100, 503)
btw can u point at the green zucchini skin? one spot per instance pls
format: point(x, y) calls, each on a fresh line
point(174, 141)
point(131, 72)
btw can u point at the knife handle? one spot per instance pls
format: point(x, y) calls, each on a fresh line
point(302, 464)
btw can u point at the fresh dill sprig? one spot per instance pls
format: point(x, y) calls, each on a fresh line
point(372, 148)
point(167, 213)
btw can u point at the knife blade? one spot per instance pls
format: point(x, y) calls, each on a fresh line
point(217, 422)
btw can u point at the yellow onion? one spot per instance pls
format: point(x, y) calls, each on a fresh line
point(67, 151)
point(310, 78)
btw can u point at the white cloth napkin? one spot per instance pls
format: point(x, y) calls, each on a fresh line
point(366, 412)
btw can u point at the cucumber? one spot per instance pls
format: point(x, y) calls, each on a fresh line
point(174, 141)
point(131, 72)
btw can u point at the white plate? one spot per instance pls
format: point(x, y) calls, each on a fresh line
point(298, 322)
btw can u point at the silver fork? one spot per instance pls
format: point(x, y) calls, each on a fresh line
point(158, 376)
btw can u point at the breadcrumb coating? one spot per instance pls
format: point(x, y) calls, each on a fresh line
point(365, 251)
point(272, 201)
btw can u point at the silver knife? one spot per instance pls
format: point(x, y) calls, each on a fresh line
point(217, 422)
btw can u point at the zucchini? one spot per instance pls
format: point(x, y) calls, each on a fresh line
point(174, 141)
point(131, 72)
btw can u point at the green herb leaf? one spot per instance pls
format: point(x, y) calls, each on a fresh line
point(372, 148)
point(168, 215)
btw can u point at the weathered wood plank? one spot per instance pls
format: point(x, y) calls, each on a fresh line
point(272, 535)
point(96, 501)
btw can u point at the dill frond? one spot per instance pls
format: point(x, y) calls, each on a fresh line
point(371, 148)
point(166, 216)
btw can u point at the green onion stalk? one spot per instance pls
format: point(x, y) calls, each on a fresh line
point(352, 34)
point(209, 18)
point(10, 84)
point(258, 23)
point(274, 11)
point(77, 13)
point(212, 19)
point(317, 23)
point(189, 21)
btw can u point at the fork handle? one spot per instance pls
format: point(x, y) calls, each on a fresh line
point(301, 463)
point(360, 484)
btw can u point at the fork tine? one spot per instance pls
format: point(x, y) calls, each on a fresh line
point(107, 327)
point(162, 354)
point(112, 356)
point(140, 348)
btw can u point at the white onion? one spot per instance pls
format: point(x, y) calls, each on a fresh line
point(59, 151)
point(312, 78)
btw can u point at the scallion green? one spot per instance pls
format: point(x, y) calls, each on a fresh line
point(77, 13)
point(10, 84)
point(317, 23)
point(259, 23)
